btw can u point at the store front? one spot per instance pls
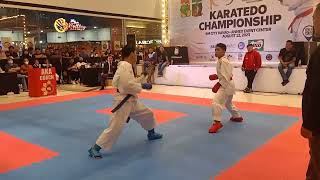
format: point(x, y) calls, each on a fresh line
point(24, 28)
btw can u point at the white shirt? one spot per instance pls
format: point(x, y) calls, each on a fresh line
point(125, 81)
point(79, 64)
point(224, 72)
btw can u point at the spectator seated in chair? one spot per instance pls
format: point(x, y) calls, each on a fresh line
point(11, 67)
point(109, 67)
point(150, 64)
point(287, 58)
point(73, 72)
point(163, 61)
point(24, 67)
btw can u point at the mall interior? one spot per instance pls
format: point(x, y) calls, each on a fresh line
point(159, 89)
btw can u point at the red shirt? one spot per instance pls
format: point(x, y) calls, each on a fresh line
point(252, 61)
point(24, 69)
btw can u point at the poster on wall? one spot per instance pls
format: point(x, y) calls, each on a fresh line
point(6, 42)
point(267, 24)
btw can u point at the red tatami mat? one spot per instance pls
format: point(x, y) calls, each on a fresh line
point(283, 157)
point(162, 116)
point(16, 153)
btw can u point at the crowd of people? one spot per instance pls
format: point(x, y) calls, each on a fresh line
point(69, 61)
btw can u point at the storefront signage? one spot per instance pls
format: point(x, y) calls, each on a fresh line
point(148, 42)
point(61, 25)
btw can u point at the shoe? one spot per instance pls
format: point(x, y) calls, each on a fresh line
point(215, 127)
point(285, 82)
point(246, 90)
point(94, 153)
point(102, 88)
point(154, 136)
point(236, 119)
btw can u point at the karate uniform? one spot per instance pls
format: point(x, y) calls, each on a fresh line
point(303, 10)
point(226, 91)
point(126, 83)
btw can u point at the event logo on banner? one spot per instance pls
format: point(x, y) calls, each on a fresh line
point(267, 24)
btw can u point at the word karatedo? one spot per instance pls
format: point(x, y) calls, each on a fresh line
point(61, 25)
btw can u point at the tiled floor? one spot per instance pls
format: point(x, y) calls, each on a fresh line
point(261, 98)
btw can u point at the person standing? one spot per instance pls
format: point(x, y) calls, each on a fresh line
point(126, 105)
point(311, 123)
point(251, 64)
point(224, 89)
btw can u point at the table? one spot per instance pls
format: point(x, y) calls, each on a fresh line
point(89, 76)
point(9, 83)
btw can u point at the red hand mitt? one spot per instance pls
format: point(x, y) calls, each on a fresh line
point(213, 77)
point(216, 87)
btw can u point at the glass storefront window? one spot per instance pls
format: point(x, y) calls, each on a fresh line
point(23, 28)
point(146, 33)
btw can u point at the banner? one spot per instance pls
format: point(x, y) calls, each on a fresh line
point(42, 82)
point(267, 24)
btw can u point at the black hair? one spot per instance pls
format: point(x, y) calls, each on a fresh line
point(249, 45)
point(127, 50)
point(222, 46)
point(289, 41)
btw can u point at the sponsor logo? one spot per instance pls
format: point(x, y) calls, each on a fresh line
point(269, 57)
point(241, 45)
point(308, 32)
point(258, 44)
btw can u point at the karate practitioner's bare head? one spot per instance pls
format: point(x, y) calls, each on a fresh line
point(220, 50)
point(129, 54)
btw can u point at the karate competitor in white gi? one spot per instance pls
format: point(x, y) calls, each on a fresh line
point(126, 83)
point(303, 10)
point(224, 89)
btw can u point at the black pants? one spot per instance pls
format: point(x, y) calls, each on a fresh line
point(250, 76)
point(73, 75)
point(313, 172)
